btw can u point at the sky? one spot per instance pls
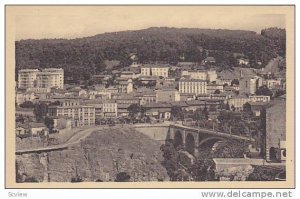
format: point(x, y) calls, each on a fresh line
point(32, 22)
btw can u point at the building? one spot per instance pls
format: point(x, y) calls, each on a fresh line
point(159, 110)
point(259, 98)
point(272, 83)
point(128, 75)
point(212, 88)
point(27, 78)
point(243, 61)
point(146, 97)
point(276, 130)
point(195, 74)
point(167, 95)
point(192, 86)
point(51, 77)
point(38, 90)
point(155, 70)
point(249, 85)
point(22, 97)
point(110, 109)
point(47, 78)
point(31, 129)
point(237, 102)
point(209, 60)
point(125, 86)
point(82, 115)
point(212, 75)
point(187, 96)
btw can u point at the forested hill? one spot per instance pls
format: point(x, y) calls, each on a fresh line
point(84, 56)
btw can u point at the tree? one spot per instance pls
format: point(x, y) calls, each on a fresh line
point(217, 91)
point(49, 122)
point(247, 107)
point(27, 104)
point(122, 177)
point(235, 82)
point(264, 90)
point(40, 111)
point(232, 107)
point(136, 110)
point(227, 107)
point(171, 159)
point(205, 113)
point(177, 113)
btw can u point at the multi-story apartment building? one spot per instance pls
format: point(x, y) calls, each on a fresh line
point(27, 78)
point(51, 77)
point(195, 86)
point(47, 78)
point(110, 109)
point(82, 115)
point(155, 70)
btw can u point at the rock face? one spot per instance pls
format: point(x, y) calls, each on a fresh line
point(99, 157)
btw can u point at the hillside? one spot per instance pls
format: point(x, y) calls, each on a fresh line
point(100, 156)
point(85, 56)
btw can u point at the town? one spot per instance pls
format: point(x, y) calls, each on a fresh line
point(215, 118)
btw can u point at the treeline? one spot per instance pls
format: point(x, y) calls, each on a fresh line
point(85, 56)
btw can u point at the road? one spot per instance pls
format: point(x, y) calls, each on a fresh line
point(72, 141)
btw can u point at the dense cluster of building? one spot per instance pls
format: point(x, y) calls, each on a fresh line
point(157, 88)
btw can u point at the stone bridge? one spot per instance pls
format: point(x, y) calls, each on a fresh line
point(193, 138)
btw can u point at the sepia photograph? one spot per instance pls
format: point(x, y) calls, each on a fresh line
point(150, 96)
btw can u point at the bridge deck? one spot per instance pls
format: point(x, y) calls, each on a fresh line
point(208, 131)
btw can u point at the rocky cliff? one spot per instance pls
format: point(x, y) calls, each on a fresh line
point(99, 157)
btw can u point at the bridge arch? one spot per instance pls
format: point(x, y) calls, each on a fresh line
point(190, 143)
point(210, 141)
point(178, 140)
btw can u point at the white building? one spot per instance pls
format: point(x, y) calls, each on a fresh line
point(47, 78)
point(81, 115)
point(155, 70)
point(259, 98)
point(27, 78)
point(192, 86)
point(110, 108)
point(271, 83)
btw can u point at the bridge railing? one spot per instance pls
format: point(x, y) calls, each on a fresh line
point(214, 130)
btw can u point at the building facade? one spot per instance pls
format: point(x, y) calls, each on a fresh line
point(167, 95)
point(27, 78)
point(155, 70)
point(195, 86)
point(82, 115)
point(47, 78)
point(110, 109)
point(249, 85)
point(276, 131)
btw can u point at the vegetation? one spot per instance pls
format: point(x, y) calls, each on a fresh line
point(27, 104)
point(81, 58)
